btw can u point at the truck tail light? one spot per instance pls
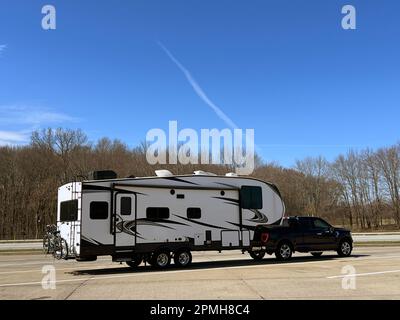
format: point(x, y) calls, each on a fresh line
point(264, 237)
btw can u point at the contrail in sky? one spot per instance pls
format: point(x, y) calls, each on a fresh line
point(199, 91)
point(2, 47)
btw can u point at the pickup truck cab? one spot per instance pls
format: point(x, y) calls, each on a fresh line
point(302, 234)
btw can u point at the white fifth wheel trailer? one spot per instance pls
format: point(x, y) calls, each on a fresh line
point(155, 219)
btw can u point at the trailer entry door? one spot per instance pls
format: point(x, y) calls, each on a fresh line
point(125, 224)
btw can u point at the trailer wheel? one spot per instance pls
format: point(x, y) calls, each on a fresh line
point(182, 257)
point(136, 261)
point(257, 255)
point(161, 259)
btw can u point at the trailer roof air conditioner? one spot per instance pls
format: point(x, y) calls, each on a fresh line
point(163, 173)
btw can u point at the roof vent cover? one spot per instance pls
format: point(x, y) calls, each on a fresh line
point(203, 173)
point(232, 174)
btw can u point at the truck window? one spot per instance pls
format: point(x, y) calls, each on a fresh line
point(290, 222)
point(294, 223)
point(306, 223)
point(320, 224)
point(69, 210)
point(251, 197)
point(99, 210)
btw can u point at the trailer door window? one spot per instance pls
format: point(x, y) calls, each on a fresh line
point(126, 206)
point(251, 197)
point(69, 210)
point(98, 210)
point(157, 213)
point(193, 213)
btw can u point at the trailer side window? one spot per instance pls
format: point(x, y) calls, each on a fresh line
point(251, 197)
point(98, 210)
point(157, 213)
point(193, 213)
point(69, 210)
point(126, 206)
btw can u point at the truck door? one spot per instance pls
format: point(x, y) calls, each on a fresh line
point(311, 238)
point(324, 237)
point(124, 217)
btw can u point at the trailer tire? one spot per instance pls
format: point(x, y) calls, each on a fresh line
point(182, 258)
point(284, 251)
point(161, 259)
point(257, 255)
point(137, 260)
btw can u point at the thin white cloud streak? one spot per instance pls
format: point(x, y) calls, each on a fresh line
point(22, 120)
point(199, 91)
point(2, 48)
point(13, 137)
point(23, 115)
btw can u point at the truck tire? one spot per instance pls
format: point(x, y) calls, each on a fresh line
point(182, 258)
point(161, 259)
point(317, 254)
point(284, 251)
point(345, 248)
point(257, 255)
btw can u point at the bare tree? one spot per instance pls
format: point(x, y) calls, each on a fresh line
point(389, 163)
point(315, 172)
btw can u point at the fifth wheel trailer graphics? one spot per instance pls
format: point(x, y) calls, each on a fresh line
point(132, 219)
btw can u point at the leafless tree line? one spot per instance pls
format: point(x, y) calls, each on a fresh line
point(359, 189)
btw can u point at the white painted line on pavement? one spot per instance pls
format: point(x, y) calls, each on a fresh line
point(57, 269)
point(166, 272)
point(94, 266)
point(141, 274)
point(363, 274)
point(50, 261)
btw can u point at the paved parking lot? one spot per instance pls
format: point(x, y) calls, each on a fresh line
point(229, 275)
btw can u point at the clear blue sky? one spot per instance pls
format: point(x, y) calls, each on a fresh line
point(285, 68)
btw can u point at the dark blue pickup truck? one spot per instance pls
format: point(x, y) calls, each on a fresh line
point(302, 234)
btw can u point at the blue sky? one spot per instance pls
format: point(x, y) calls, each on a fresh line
point(285, 68)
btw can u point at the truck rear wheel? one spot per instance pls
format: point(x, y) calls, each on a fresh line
point(257, 255)
point(284, 251)
point(182, 258)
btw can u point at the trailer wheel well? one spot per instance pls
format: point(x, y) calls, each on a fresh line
point(180, 249)
point(162, 248)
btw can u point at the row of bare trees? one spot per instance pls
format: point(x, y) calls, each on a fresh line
point(359, 189)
